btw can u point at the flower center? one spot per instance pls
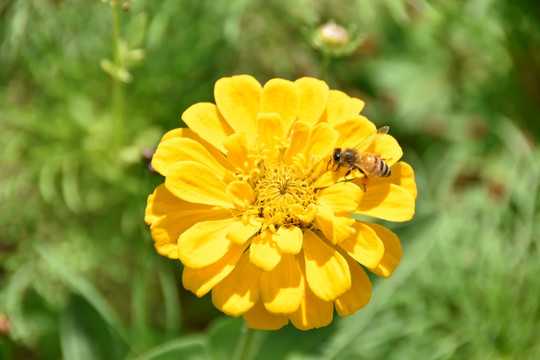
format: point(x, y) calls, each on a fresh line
point(280, 191)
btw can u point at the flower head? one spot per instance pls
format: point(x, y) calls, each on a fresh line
point(334, 40)
point(255, 214)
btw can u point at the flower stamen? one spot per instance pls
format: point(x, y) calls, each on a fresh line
point(277, 189)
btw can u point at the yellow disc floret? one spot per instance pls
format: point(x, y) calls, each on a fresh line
point(278, 190)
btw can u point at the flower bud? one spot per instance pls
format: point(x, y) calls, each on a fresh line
point(333, 34)
point(333, 39)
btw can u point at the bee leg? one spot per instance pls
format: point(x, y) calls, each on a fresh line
point(365, 179)
point(349, 171)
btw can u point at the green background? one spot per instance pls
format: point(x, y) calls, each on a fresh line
point(458, 82)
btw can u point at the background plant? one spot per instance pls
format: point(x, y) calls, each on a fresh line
point(457, 82)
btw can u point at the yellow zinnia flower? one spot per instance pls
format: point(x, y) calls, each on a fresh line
point(255, 214)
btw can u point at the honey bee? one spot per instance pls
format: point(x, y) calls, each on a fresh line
point(355, 158)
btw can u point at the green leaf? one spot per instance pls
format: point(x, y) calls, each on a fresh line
point(186, 348)
point(136, 31)
point(223, 337)
point(46, 184)
point(84, 335)
point(70, 185)
point(173, 312)
point(81, 285)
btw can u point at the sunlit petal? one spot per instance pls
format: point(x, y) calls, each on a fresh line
point(205, 120)
point(281, 96)
point(238, 99)
point(201, 280)
point(289, 239)
point(388, 202)
point(282, 288)
point(194, 182)
point(364, 246)
point(402, 175)
point(313, 96)
point(264, 251)
point(342, 196)
point(327, 272)
point(175, 150)
point(239, 291)
point(359, 294)
point(392, 251)
point(312, 313)
point(204, 243)
point(259, 318)
point(341, 106)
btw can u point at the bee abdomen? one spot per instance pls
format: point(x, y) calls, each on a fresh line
point(384, 169)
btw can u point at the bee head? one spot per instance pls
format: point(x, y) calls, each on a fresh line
point(337, 155)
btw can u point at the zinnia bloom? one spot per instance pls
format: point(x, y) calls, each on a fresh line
point(255, 214)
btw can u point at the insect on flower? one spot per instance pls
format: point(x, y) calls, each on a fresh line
point(357, 158)
point(249, 209)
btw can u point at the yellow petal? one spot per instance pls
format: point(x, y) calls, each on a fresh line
point(388, 202)
point(239, 291)
point(238, 99)
point(175, 133)
point(237, 150)
point(264, 252)
point(194, 182)
point(312, 313)
point(327, 272)
point(402, 175)
point(343, 196)
point(324, 220)
point(240, 232)
point(306, 215)
point(167, 229)
point(205, 120)
point(204, 243)
point(167, 249)
point(389, 149)
point(289, 239)
point(327, 178)
point(163, 202)
point(343, 226)
point(281, 96)
point(282, 289)
point(172, 151)
point(269, 132)
point(300, 138)
point(364, 246)
point(392, 251)
point(216, 153)
point(359, 294)
point(353, 131)
point(313, 96)
point(240, 194)
point(200, 281)
point(323, 141)
point(341, 107)
point(259, 318)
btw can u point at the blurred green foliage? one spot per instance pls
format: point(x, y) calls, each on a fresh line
point(457, 81)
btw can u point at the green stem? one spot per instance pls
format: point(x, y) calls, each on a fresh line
point(325, 64)
point(248, 343)
point(118, 89)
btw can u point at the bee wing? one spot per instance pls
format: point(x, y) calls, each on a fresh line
point(368, 140)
